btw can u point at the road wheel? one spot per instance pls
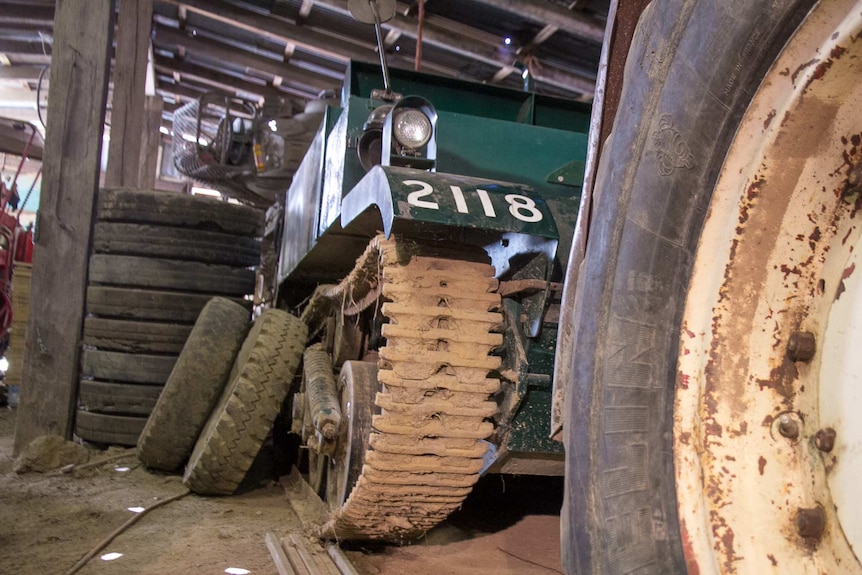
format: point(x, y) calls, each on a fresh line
point(258, 384)
point(721, 236)
point(194, 386)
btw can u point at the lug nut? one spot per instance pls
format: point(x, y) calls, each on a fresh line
point(824, 439)
point(788, 427)
point(801, 346)
point(810, 522)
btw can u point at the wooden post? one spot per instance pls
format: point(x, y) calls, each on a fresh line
point(83, 30)
point(134, 26)
point(151, 138)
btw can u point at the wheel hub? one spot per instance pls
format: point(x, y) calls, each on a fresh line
point(758, 489)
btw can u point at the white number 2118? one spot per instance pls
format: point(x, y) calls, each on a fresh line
point(521, 207)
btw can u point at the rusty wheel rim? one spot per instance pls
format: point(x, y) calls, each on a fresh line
point(758, 491)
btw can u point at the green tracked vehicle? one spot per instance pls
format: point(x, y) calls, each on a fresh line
point(691, 346)
point(424, 242)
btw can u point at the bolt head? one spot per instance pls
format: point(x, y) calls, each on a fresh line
point(788, 427)
point(801, 346)
point(824, 439)
point(810, 522)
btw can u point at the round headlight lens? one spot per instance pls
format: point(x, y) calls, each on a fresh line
point(411, 128)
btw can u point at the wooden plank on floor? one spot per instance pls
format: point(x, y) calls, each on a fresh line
point(279, 557)
point(311, 553)
point(83, 32)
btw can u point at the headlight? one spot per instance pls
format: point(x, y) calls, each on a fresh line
point(411, 128)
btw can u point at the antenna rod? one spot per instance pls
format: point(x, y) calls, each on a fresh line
point(379, 32)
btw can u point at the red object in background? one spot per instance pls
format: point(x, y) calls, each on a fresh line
point(8, 229)
point(16, 244)
point(24, 246)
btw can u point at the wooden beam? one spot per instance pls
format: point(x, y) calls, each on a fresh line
point(217, 80)
point(208, 48)
point(330, 47)
point(25, 47)
point(24, 73)
point(545, 12)
point(475, 49)
point(79, 78)
point(30, 15)
point(134, 25)
point(284, 31)
point(150, 143)
point(16, 58)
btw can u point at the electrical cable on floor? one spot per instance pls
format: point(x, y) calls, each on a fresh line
point(107, 540)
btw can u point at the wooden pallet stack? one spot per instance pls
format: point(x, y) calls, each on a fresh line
point(20, 312)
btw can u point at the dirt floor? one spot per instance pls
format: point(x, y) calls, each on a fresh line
point(49, 521)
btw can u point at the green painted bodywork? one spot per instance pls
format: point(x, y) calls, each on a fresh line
point(470, 98)
point(528, 430)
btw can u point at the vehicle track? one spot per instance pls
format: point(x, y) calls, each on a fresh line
point(426, 447)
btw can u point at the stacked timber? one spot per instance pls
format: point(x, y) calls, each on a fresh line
point(20, 312)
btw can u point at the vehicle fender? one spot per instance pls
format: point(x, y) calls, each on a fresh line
point(447, 199)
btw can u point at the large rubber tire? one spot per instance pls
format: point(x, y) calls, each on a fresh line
point(126, 367)
point(252, 399)
point(194, 386)
point(175, 243)
point(118, 398)
point(130, 303)
point(134, 271)
point(182, 210)
point(135, 336)
point(108, 429)
point(691, 72)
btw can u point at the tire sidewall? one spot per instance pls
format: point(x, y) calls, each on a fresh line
point(688, 81)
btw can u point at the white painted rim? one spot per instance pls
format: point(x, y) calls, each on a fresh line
point(775, 246)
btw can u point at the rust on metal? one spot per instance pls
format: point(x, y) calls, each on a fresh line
point(788, 427)
point(810, 522)
point(801, 346)
point(691, 565)
point(824, 439)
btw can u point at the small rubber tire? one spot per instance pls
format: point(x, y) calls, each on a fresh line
point(135, 271)
point(194, 386)
point(182, 210)
point(131, 303)
point(118, 398)
point(108, 429)
point(126, 367)
point(260, 379)
point(175, 243)
point(135, 336)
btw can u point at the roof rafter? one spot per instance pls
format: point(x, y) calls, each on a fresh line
point(474, 49)
point(545, 12)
